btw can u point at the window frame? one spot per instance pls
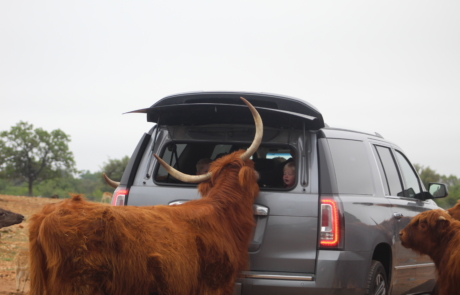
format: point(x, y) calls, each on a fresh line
point(385, 173)
point(403, 177)
point(397, 165)
point(232, 145)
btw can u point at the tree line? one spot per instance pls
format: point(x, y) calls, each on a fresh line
point(36, 162)
point(428, 175)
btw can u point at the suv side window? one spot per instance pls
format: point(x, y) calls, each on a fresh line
point(412, 185)
point(351, 166)
point(390, 175)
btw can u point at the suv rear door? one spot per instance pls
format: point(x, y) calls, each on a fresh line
point(288, 234)
point(284, 244)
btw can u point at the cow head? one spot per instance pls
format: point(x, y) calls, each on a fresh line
point(425, 231)
point(233, 171)
point(225, 161)
point(8, 218)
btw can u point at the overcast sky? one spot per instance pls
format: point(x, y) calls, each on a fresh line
point(386, 66)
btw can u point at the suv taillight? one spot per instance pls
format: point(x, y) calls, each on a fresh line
point(330, 228)
point(119, 196)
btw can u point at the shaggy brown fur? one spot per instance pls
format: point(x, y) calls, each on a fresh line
point(455, 211)
point(436, 234)
point(199, 247)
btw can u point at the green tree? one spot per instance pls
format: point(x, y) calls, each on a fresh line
point(34, 155)
point(2, 158)
point(451, 199)
point(427, 175)
point(450, 180)
point(114, 168)
point(91, 184)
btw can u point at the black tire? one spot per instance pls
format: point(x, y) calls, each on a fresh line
point(377, 283)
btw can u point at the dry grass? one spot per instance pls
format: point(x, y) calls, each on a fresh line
point(15, 237)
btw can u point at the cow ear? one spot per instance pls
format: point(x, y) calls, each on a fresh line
point(442, 223)
point(245, 176)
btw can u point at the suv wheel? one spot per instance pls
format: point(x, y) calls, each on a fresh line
point(377, 280)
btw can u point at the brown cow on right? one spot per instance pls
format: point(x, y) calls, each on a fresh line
point(436, 234)
point(455, 211)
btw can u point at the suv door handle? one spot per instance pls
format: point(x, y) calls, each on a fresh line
point(177, 202)
point(398, 215)
point(259, 210)
point(260, 216)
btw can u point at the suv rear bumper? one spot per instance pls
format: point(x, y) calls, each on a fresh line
point(337, 272)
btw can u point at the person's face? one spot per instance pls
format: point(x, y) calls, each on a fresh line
point(204, 169)
point(289, 177)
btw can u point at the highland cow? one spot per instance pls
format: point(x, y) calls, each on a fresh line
point(436, 234)
point(200, 247)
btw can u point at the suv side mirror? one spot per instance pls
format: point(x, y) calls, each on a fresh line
point(435, 191)
point(438, 190)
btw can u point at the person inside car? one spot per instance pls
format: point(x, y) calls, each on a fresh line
point(289, 175)
point(202, 166)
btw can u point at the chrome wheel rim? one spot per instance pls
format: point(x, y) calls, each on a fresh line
point(380, 285)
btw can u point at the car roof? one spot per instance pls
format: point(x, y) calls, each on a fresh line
point(200, 108)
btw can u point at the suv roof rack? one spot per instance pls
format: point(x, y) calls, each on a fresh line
point(356, 131)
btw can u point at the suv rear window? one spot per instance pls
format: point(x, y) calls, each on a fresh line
point(189, 158)
point(352, 167)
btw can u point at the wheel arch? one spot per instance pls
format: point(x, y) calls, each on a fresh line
point(384, 255)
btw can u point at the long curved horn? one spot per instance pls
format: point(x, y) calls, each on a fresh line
point(110, 182)
point(259, 132)
point(182, 176)
point(248, 153)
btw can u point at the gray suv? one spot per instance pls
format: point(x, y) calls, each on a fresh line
point(335, 231)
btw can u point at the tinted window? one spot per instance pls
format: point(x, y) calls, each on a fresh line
point(188, 158)
point(170, 156)
point(391, 175)
point(220, 149)
point(351, 166)
point(412, 186)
